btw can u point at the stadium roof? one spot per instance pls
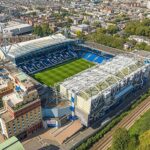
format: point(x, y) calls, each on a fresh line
point(99, 78)
point(24, 48)
point(11, 144)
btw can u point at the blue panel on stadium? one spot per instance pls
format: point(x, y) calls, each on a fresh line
point(93, 57)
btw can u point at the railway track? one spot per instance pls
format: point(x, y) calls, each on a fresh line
point(127, 122)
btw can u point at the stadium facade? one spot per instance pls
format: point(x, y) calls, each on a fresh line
point(100, 87)
point(91, 92)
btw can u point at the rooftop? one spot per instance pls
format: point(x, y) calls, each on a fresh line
point(4, 78)
point(21, 77)
point(6, 116)
point(11, 144)
point(15, 26)
point(24, 48)
point(97, 79)
point(13, 99)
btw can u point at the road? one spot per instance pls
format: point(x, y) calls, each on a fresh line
point(127, 122)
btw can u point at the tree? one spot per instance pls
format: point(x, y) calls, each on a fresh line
point(131, 28)
point(34, 13)
point(96, 24)
point(146, 22)
point(42, 30)
point(141, 46)
point(46, 30)
point(133, 143)
point(38, 30)
point(138, 28)
point(101, 30)
point(80, 34)
point(144, 141)
point(147, 48)
point(120, 139)
point(112, 29)
point(69, 20)
point(140, 31)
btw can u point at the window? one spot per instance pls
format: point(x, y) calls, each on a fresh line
point(9, 132)
point(26, 115)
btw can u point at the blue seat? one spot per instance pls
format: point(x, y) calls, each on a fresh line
point(92, 57)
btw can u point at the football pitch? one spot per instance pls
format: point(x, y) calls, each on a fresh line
point(60, 72)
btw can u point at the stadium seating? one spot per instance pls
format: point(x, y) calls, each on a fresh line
point(96, 57)
point(99, 59)
point(35, 62)
point(32, 64)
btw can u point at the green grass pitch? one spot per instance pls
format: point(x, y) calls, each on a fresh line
point(60, 72)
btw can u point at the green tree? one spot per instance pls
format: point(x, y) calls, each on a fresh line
point(101, 30)
point(131, 28)
point(144, 141)
point(147, 48)
point(141, 46)
point(140, 31)
point(69, 20)
point(35, 29)
point(133, 143)
point(46, 30)
point(112, 29)
point(40, 31)
point(96, 24)
point(146, 22)
point(138, 28)
point(34, 13)
point(120, 139)
point(80, 34)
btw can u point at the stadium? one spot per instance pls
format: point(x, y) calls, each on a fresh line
point(91, 80)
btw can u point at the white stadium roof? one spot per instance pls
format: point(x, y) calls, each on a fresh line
point(24, 48)
point(97, 79)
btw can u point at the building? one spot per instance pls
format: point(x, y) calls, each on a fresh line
point(16, 28)
point(22, 115)
point(81, 28)
point(3, 17)
point(6, 82)
point(11, 144)
point(56, 113)
point(97, 89)
point(148, 4)
point(140, 39)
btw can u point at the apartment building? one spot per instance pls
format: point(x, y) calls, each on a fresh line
point(6, 83)
point(22, 115)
